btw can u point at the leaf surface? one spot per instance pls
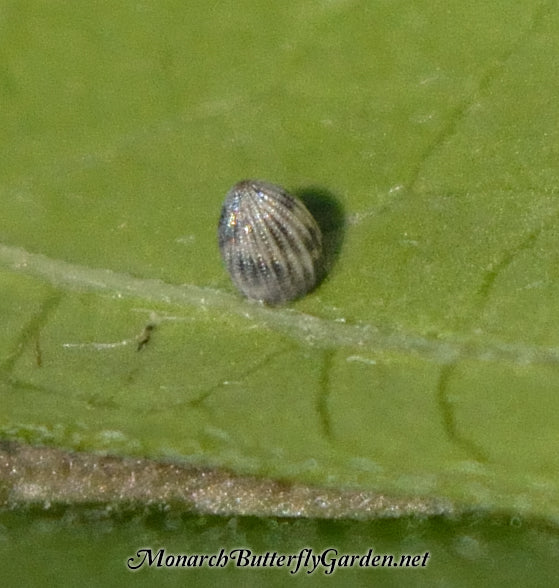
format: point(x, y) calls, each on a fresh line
point(425, 364)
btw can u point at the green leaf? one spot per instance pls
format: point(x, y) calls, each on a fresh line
point(93, 548)
point(423, 135)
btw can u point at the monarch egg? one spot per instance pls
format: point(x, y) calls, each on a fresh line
point(270, 243)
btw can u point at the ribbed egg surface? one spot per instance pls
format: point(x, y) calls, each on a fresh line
point(270, 243)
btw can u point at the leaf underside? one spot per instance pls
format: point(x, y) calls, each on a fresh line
point(425, 365)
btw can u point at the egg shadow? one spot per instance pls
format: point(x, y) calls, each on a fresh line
point(330, 217)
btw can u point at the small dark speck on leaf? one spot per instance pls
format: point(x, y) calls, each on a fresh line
point(38, 353)
point(145, 336)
